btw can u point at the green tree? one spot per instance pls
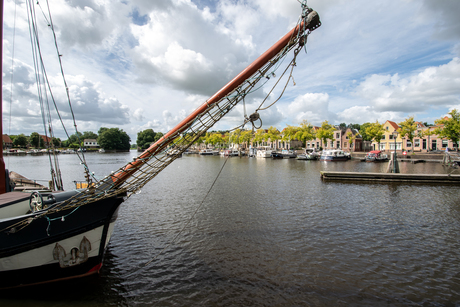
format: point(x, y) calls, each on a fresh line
point(450, 127)
point(351, 139)
point(246, 137)
point(305, 132)
point(234, 137)
point(114, 139)
point(375, 131)
point(158, 136)
point(289, 133)
point(325, 132)
point(20, 140)
point(362, 131)
point(145, 138)
point(259, 136)
point(89, 135)
point(75, 139)
point(215, 138)
point(354, 126)
point(56, 142)
point(35, 140)
point(273, 134)
point(408, 128)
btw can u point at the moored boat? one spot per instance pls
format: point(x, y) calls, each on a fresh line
point(310, 154)
point(333, 155)
point(376, 156)
point(209, 152)
point(264, 153)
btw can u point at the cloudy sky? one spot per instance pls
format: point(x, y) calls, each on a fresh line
point(139, 64)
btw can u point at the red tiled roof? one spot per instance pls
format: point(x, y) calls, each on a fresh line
point(393, 124)
point(6, 139)
point(45, 138)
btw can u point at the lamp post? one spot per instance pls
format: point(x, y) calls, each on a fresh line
point(395, 135)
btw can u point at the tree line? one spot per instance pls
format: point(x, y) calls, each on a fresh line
point(107, 138)
point(115, 138)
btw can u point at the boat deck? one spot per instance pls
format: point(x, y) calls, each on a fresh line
point(12, 197)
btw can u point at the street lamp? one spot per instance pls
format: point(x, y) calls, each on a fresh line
point(395, 135)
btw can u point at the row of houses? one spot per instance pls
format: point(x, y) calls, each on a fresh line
point(391, 140)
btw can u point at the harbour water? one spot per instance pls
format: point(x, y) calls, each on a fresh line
point(266, 233)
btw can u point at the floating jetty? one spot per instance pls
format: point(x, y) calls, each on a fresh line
point(390, 177)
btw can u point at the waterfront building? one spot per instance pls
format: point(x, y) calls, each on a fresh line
point(7, 142)
point(425, 139)
point(90, 143)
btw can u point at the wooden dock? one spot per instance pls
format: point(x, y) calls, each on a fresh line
point(390, 177)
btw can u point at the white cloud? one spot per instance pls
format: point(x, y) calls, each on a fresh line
point(138, 114)
point(433, 87)
point(312, 107)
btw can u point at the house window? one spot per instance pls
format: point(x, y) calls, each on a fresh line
point(338, 144)
point(386, 128)
point(337, 135)
point(383, 137)
point(345, 144)
point(382, 146)
point(332, 144)
point(444, 143)
point(417, 143)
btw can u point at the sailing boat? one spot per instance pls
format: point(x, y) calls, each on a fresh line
point(50, 236)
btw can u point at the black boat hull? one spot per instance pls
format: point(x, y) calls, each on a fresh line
point(63, 245)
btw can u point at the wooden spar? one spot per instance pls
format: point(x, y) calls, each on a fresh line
point(310, 22)
point(2, 163)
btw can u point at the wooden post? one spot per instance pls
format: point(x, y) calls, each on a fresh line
point(393, 166)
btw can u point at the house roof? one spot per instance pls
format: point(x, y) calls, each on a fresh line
point(6, 139)
point(45, 138)
point(393, 124)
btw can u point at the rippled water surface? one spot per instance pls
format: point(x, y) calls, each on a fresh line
point(269, 232)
